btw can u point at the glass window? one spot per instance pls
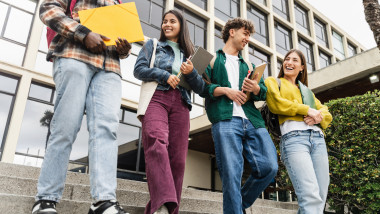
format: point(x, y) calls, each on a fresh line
point(351, 50)
point(41, 92)
point(127, 65)
point(307, 50)
point(11, 52)
point(283, 39)
point(321, 33)
point(227, 9)
point(281, 8)
point(261, 24)
point(201, 3)
point(8, 87)
point(324, 60)
point(7, 84)
point(15, 25)
point(150, 14)
point(279, 64)
point(31, 145)
point(302, 19)
point(13, 30)
point(197, 27)
point(28, 5)
point(264, 2)
point(337, 41)
point(258, 57)
point(131, 153)
point(219, 44)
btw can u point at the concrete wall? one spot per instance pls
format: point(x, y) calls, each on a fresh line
point(198, 170)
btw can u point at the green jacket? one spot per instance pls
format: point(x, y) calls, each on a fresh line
point(220, 108)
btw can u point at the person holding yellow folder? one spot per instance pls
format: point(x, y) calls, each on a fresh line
point(166, 121)
point(87, 79)
point(301, 117)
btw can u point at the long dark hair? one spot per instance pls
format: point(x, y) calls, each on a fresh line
point(302, 75)
point(184, 41)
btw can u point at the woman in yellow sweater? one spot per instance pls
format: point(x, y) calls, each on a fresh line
point(303, 147)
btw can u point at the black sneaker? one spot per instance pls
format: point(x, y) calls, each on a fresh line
point(44, 207)
point(106, 207)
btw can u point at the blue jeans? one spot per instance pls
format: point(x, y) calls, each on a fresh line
point(305, 156)
point(80, 87)
point(232, 139)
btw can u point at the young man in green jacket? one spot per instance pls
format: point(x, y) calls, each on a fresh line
point(237, 126)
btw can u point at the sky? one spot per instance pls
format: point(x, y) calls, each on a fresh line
point(348, 15)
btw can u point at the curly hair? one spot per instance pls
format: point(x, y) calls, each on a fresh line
point(236, 23)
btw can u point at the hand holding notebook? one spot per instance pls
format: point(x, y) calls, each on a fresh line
point(256, 75)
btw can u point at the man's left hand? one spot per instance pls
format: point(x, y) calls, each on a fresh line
point(251, 85)
point(123, 47)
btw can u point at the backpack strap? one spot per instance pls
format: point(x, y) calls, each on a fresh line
point(154, 53)
point(250, 67)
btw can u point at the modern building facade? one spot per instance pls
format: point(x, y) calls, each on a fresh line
point(27, 89)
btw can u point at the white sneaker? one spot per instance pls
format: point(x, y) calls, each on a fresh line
point(106, 207)
point(162, 210)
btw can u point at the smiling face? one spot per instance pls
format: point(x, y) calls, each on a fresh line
point(171, 27)
point(240, 37)
point(292, 66)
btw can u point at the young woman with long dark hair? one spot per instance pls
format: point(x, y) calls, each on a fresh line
point(166, 123)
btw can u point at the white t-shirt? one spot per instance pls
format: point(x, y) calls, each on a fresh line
point(232, 67)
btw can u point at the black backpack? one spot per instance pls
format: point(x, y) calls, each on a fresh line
point(271, 120)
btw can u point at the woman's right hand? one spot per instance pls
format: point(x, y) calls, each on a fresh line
point(315, 114)
point(173, 81)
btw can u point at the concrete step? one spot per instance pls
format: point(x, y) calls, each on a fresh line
point(17, 180)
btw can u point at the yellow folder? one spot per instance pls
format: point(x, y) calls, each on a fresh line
point(114, 21)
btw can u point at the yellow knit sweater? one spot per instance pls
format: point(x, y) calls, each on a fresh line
point(287, 102)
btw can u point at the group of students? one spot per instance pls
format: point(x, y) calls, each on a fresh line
point(87, 77)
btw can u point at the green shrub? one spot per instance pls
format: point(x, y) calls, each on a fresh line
point(353, 142)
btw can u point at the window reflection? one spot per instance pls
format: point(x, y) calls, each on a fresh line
point(150, 14)
point(307, 50)
point(227, 9)
point(18, 26)
point(197, 27)
point(324, 60)
point(281, 8)
point(337, 41)
point(8, 87)
point(219, 44)
point(283, 39)
point(261, 24)
point(11, 52)
point(200, 3)
point(257, 57)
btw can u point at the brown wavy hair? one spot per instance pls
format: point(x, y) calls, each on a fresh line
point(184, 41)
point(236, 24)
point(302, 75)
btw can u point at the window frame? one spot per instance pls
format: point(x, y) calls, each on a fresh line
point(14, 95)
point(305, 18)
point(251, 9)
point(281, 28)
point(284, 11)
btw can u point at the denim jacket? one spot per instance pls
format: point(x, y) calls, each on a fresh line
point(162, 69)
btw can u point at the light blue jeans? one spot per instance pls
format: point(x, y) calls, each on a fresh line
point(305, 156)
point(80, 87)
point(233, 139)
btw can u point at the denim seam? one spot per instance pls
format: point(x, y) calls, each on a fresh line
point(96, 193)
